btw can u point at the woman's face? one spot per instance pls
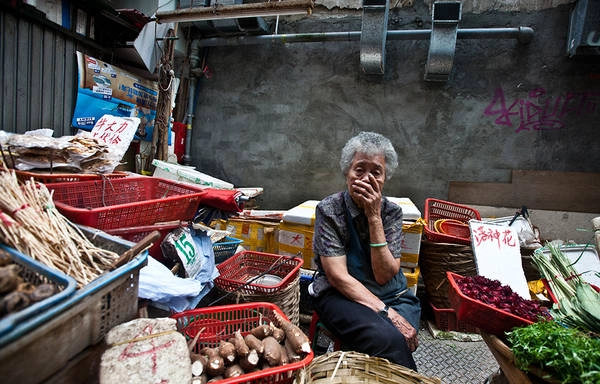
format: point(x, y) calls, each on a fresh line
point(365, 171)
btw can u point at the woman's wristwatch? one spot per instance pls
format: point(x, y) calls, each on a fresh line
point(384, 312)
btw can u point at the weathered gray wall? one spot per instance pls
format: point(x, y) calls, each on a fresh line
point(277, 116)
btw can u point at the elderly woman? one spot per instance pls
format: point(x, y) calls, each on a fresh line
point(360, 292)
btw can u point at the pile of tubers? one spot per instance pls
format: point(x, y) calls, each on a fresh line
point(15, 293)
point(265, 346)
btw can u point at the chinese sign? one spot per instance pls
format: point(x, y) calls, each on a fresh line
point(117, 132)
point(498, 255)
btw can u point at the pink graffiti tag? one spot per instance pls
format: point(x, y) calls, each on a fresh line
point(494, 235)
point(151, 350)
point(540, 112)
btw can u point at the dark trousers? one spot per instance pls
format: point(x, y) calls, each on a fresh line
point(361, 329)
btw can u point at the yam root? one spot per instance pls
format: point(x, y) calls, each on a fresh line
point(26, 287)
point(199, 363)
point(254, 343)
point(14, 302)
point(298, 339)
point(293, 357)
point(216, 364)
point(241, 348)
point(277, 333)
point(234, 370)
point(250, 361)
point(9, 278)
point(42, 292)
point(272, 353)
point(202, 379)
point(227, 351)
point(284, 356)
point(261, 331)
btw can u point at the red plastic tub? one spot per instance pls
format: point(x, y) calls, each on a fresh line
point(220, 322)
point(436, 209)
point(483, 316)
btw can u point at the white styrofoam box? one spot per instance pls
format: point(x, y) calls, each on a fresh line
point(302, 214)
point(305, 212)
point(586, 260)
point(193, 176)
point(409, 209)
point(166, 170)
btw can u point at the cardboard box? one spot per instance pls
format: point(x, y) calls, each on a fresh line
point(259, 236)
point(411, 245)
point(297, 239)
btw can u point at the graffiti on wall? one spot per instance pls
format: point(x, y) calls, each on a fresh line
point(540, 111)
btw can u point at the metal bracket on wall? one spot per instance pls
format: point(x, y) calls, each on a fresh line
point(373, 36)
point(445, 18)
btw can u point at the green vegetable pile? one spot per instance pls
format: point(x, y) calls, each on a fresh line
point(578, 303)
point(566, 354)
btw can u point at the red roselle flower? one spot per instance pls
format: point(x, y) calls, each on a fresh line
point(502, 297)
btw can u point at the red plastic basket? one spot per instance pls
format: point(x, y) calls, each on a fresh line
point(220, 322)
point(127, 202)
point(238, 272)
point(436, 209)
point(49, 178)
point(485, 317)
point(445, 320)
point(136, 234)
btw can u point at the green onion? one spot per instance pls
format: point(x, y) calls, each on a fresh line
point(578, 304)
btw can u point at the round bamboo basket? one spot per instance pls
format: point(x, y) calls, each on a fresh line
point(287, 298)
point(437, 258)
point(347, 367)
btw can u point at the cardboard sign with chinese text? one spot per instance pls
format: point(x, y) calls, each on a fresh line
point(498, 255)
point(117, 132)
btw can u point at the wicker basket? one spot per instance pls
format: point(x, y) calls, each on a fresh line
point(354, 367)
point(287, 299)
point(437, 258)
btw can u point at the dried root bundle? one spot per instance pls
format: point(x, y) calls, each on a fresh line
point(31, 224)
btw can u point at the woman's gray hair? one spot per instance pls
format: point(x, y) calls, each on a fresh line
point(370, 143)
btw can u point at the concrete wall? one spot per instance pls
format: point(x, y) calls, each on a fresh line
point(277, 115)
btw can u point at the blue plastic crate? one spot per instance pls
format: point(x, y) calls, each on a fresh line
point(109, 300)
point(225, 248)
point(36, 273)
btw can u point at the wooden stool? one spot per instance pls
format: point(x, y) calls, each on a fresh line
point(315, 329)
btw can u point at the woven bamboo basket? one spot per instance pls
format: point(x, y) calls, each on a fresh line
point(347, 367)
point(287, 298)
point(437, 258)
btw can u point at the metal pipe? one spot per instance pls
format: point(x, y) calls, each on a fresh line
point(194, 63)
point(522, 34)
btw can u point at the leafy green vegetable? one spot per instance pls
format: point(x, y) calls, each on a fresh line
point(567, 354)
point(578, 303)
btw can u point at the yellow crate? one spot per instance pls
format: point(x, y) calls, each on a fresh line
point(412, 275)
point(297, 239)
point(411, 246)
point(260, 236)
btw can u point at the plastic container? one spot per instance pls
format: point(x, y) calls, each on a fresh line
point(225, 248)
point(239, 271)
point(50, 340)
point(485, 317)
point(128, 202)
point(220, 322)
point(436, 209)
point(36, 273)
point(445, 320)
